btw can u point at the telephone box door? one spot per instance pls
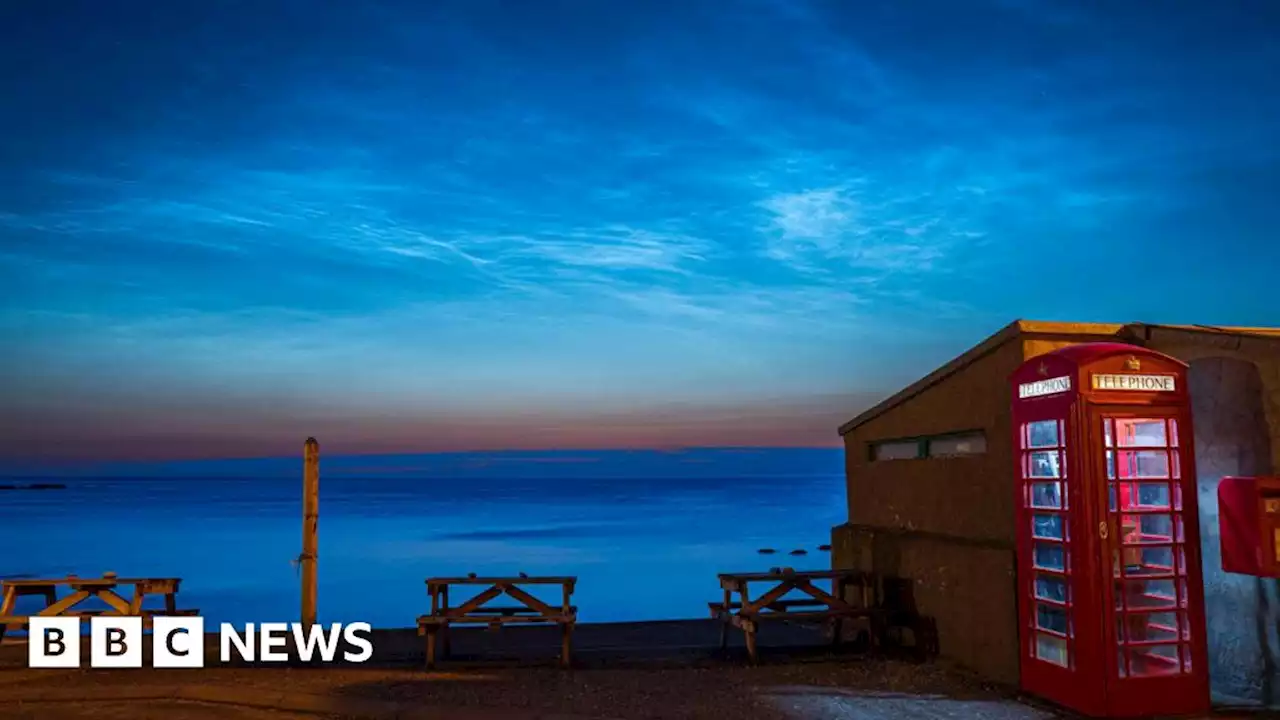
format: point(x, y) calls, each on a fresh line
point(1057, 604)
point(1150, 546)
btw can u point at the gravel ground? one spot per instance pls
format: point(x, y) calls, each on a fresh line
point(150, 711)
point(694, 693)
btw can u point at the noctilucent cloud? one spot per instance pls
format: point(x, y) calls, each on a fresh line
point(416, 226)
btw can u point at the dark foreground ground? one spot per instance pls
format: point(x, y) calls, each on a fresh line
point(629, 671)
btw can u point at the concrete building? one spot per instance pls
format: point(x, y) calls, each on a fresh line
point(930, 476)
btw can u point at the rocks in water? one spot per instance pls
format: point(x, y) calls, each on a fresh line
point(799, 552)
point(471, 576)
point(35, 486)
point(824, 548)
point(766, 551)
point(524, 575)
point(775, 571)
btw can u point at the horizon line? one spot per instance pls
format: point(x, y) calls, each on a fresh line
point(503, 451)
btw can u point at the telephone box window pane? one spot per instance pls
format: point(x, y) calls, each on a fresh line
point(1051, 587)
point(1148, 627)
point(1107, 433)
point(1048, 526)
point(1154, 660)
point(1043, 434)
point(1046, 495)
point(1143, 464)
point(1141, 433)
point(1153, 496)
point(1044, 464)
point(1153, 528)
point(1152, 561)
point(1050, 556)
point(1148, 594)
point(1052, 618)
point(1051, 649)
point(1173, 433)
point(1111, 465)
point(1144, 496)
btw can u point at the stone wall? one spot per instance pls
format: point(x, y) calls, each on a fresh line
point(1233, 436)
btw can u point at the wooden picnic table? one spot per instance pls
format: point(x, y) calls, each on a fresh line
point(105, 589)
point(831, 608)
point(529, 610)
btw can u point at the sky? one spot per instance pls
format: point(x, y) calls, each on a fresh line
point(482, 225)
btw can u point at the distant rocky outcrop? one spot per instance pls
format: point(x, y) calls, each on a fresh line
point(35, 486)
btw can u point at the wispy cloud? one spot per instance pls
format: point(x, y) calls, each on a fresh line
point(834, 230)
point(728, 201)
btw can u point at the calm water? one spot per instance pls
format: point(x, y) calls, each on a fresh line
point(642, 548)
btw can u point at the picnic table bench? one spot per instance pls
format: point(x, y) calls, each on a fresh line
point(103, 588)
point(831, 609)
point(476, 611)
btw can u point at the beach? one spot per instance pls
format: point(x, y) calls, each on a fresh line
point(623, 671)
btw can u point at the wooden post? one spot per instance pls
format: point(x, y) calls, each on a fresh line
point(310, 535)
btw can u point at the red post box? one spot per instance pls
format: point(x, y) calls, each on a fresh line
point(1110, 593)
point(1249, 525)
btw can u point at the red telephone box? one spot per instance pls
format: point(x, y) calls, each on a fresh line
point(1110, 595)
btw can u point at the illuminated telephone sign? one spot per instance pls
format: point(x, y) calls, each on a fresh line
point(1135, 383)
point(1040, 388)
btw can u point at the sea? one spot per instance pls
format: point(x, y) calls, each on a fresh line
point(645, 532)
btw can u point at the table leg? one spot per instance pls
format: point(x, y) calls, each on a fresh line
point(752, 655)
point(170, 603)
point(748, 631)
point(446, 641)
point(724, 621)
point(431, 647)
point(566, 645)
point(6, 607)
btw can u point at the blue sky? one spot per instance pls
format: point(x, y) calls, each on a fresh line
point(411, 226)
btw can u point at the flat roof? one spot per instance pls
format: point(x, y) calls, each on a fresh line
point(1019, 328)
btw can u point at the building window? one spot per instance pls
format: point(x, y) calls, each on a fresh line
point(934, 446)
point(897, 450)
point(970, 443)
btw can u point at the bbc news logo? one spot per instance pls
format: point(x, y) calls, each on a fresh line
point(179, 642)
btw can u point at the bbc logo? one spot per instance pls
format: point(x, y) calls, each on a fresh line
point(115, 642)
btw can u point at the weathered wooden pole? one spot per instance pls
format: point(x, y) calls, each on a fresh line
point(310, 535)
